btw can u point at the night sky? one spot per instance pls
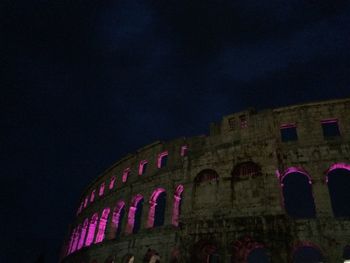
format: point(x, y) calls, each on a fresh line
point(83, 83)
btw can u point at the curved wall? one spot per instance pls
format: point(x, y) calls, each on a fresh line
point(261, 183)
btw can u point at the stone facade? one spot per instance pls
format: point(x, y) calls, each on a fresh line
point(232, 201)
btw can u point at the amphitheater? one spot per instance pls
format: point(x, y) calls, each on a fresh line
point(267, 186)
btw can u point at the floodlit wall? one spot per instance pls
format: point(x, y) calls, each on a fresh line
point(260, 182)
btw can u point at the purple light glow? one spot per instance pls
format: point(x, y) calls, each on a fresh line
point(288, 125)
point(294, 170)
point(102, 189)
point(160, 157)
point(76, 239)
point(102, 226)
point(337, 166)
point(176, 205)
point(300, 244)
point(92, 197)
point(80, 208)
point(86, 201)
point(83, 234)
point(111, 184)
point(329, 121)
point(116, 217)
point(126, 173)
point(92, 227)
point(141, 166)
point(152, 206)
point(184, 150)
point(131, 215)
point(71, 240)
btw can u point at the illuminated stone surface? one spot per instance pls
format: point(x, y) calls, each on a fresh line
point(224, 194)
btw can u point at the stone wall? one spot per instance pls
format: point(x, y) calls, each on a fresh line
point(222, 214)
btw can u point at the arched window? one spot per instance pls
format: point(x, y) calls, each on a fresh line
point(297, 193)
point(338, 180)
point(205, 251)
point(92, 196)
point(245, 170)
point(102, 189)
point(86, 201)
point(157, 208)
point(184, 150)
point(76, 239)
point(112, 182)
point(102, 225)
point(307, 253)
point(134, 215)
point(143, 167)
point(71, 241)
point(205, 189)
point(205, 176)
point(117, 218)
point(246, 249)
point(92, 228)
point(83, 233)
point(162, 159)
point(126, 174)
point(177, 205)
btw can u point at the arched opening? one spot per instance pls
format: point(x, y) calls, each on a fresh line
point(206, 187)
point(307, 254)
point(346, 254)
point(92, 228)
point(102, 225)
point(246, 249)
point(162, 159)
point(76, 239)
point(83, 234)
point(117, 218)
point(151, 256)
point(258, 255)
point(338, 180)
point(128, 258)
point(134, 215)
point(157, 208)
point(246, 170)
point(297, 193)
point(205, 251)
point(177, 204)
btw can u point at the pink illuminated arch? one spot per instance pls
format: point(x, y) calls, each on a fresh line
point(176, 205)
point(142, 167)
point(126, 174)
point(83, 234)
point(338, 183)
point(305, 244)
point(92, 196)
point(291, 170)
point(297, 196)
point(102, 189)
point(335, 166)
point(71, 241)
point(184, 150)
point(243, 247)
point(92, 228)
point(102, 226)
point(116, 217)
point(152, 206)
point(112, 182)
point(160, 158)
point(86, 201)
point(131, 215)
point(76, 239)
